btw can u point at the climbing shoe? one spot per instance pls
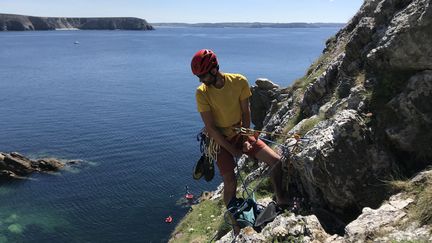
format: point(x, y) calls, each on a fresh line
point(198, 170)
point(208, 169)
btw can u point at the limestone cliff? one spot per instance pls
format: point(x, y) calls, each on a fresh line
point(366, 108)
point(21, 22)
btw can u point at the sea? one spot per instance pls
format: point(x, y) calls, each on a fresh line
point(121, 104)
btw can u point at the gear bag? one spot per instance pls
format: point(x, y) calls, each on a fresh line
point(244, 212)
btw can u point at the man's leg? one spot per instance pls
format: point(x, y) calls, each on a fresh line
point(270, 157)
point(230, 189)
point(230, 186)
point(226, 165)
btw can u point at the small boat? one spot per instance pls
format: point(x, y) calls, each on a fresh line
point(76, 42)
point(168, 219)
point(189, 196)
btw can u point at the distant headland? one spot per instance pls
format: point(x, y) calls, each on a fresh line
point(22, 22)
point(252, 25)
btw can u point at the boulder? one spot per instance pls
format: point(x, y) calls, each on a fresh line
point(266, 84)
point(49, 164)
point(15, 165)
point(265, 95)
point(340, 168)
point(18, 164)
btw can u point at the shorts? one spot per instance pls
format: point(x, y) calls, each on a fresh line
point(225, 160)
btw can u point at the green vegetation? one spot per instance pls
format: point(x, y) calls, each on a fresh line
point(291, 123)
point(423, 210)
point(264, 188)
point(315, 70)
point(204, 221)
point(420, 210)
point(310, 123)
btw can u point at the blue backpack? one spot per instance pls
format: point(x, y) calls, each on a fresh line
point(244, 212)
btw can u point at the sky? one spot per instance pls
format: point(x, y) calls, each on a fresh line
point(192, 11)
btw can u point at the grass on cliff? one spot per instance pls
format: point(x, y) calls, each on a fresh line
point(202, 223)
point(420, 210)
point(206, 219)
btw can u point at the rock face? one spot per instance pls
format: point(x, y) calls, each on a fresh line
point(21, 22)
point(365, 106)
point(264, 95)
point(365, 111)
point(15, 165)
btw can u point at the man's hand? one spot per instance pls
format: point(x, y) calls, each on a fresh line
point(246, 147)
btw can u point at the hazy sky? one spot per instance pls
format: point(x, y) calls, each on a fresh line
point(192, 11)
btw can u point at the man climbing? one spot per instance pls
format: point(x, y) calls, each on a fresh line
point(223, 103)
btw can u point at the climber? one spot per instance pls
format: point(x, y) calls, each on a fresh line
point(223, 103)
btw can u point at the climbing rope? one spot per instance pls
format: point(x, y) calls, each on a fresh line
point(286, 149)
point(252, 132)
point(211, 149)
point(208, 146)
point(295, 145)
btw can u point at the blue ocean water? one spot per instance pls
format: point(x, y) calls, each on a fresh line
point(123, 103)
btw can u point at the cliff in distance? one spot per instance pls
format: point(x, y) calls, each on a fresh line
point(22, 22)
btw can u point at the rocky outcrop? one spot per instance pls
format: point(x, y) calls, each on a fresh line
point(391, 222)
point(283, 229)
point(341, 167)
point(14, 165)
point(366, 107)
point(21, 22)
point(265, 96)
point(365, 111)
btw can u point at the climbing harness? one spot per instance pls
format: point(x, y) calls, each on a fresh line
point(246, 211)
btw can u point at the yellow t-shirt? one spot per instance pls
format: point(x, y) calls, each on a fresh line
point(224, 103)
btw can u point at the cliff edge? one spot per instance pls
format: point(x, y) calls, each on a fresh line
point(21, 22)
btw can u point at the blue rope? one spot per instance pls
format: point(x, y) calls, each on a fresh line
point(270, 141)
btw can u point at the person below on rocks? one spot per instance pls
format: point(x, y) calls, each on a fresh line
point(223, 103)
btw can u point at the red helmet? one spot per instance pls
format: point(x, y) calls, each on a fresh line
point(203, 61)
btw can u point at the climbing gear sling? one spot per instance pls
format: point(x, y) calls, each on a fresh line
point(209, 150)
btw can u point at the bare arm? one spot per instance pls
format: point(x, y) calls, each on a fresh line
point(208, 120)
point(246, 116)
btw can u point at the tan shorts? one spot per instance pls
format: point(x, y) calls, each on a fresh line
point(225, 160)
